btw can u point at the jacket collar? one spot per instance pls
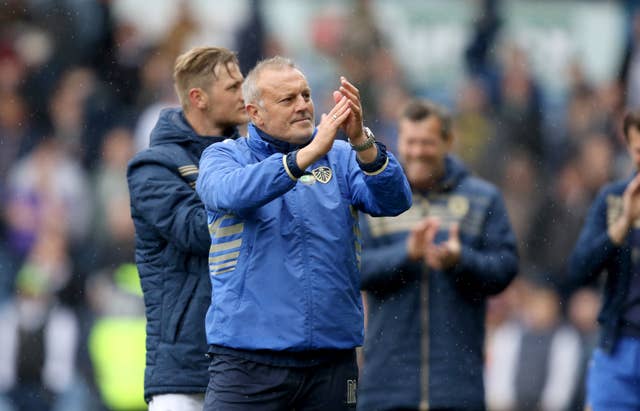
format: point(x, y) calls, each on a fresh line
point(267, 144)
point(455, 172)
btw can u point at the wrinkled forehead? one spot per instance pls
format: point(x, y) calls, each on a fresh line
point(282, 80)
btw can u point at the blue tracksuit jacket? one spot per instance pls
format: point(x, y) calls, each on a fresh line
point(284, 257)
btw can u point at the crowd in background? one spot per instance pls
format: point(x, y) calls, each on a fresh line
point(79, 92)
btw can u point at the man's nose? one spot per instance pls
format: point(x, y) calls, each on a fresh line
point(419, 151)
point(301, 103)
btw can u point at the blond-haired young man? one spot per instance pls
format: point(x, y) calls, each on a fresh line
point(172, 239)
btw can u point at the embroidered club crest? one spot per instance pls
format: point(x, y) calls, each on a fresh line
point(322, 174)
point(458, 206)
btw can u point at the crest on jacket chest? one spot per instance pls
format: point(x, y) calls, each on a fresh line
point(322, 174)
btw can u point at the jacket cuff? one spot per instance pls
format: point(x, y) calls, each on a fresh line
point(291, 165)
point(378, 165)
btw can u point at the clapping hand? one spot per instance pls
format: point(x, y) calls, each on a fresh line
point(353, 125)
point(444, 255)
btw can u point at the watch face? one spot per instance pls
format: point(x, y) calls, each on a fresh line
point(369, 133)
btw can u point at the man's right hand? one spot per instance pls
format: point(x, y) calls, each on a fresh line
point(630, 212)
point(326, 134)
point(416, 241)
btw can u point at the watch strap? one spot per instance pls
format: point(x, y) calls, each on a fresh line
point(368, 142)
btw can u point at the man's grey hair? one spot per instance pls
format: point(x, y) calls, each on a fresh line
point(250, 91)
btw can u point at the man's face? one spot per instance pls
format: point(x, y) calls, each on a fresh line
point(225, 106)
point(422, 150)
point(633, 145)
point(285, 110)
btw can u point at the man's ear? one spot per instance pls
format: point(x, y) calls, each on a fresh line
point(255, 114)
point(198, 98)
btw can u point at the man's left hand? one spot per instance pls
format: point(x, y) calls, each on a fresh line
point(353, 126)
point(444, 255)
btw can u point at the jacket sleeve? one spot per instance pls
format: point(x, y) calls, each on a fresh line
point(228, 185)
point(489, 268)
point(593, 248)
point(383, 264)
point(166, 202)
point(384, 192)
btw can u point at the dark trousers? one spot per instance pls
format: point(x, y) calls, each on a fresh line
point(237, 384)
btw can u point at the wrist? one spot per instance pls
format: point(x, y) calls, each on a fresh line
point(364, 142)
point(361, 138)
point(308, 155)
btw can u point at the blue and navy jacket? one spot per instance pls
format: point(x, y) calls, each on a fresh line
point(284, 257)
point(595, 253)
point(172, 246)
point(425, 328)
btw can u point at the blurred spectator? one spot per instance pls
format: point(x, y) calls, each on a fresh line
point(110, 182)
point(556, 224)
point(114, 328)
point(535, 359)
point(16, 137)
point(364, 57)
point(480, 51)
point(67, 108)
point(40, 336)
point(155, 94)
point(251, 38)
point(116, 339)
point(519, 115)
point(522, 195)
point(155, 77)
point(49, 186)
point(517, 121)
point(630, 70)
point(473, 123)
point(595, 159)
point(12, 70)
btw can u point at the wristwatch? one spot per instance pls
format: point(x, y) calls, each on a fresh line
point(368, 142)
